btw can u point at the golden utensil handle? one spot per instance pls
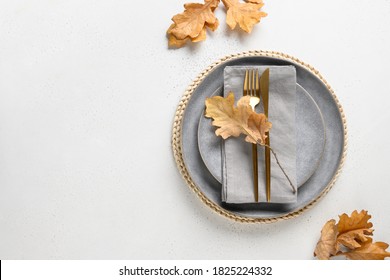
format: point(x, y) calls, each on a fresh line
point(268, 169)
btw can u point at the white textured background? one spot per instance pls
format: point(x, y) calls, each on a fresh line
point(88, 91)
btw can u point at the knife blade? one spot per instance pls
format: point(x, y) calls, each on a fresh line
point(264, 87)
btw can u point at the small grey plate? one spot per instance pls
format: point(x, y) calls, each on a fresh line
point(312, 189)
point(310, 131)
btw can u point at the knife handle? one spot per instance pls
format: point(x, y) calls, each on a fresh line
point(268, 168)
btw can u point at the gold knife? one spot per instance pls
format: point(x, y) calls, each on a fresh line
point(264, 87)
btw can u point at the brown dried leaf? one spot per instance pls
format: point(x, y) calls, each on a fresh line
point(173, 41)
point(246, 15)
point(213, 26)
point(326, 246)
point(234, 121)
point(230, 120)
point(201, 36)
point(354, 230)
point(369, 251)
point(254, 1)
point(259, 125)
point(192, 23)
point(176, 43)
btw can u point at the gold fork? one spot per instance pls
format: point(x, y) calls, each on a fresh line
point(252, 88)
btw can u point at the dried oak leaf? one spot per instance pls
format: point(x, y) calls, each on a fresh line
point(192, 23)
point(230, 120)
point(354, 230)
point(326, 246)
point(369, 251)
point(173, 41)
point(259, 125)
point(254, 1)
point(234, 121)
point(246, 15)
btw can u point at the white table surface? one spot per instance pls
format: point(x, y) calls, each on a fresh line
point(88, 91)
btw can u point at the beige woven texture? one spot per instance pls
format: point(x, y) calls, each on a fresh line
point(177, 130)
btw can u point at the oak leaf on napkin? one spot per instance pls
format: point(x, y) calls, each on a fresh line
point(234, 121)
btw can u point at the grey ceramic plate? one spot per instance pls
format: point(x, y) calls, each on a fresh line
point(310, 138)
point(311, 190)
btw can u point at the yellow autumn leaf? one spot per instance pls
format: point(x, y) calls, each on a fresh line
point(192, 23)
point(326, 246)
point(230, 120)
point(254, 1)
point(353, 232)
point(354, 229)
point(259, 125)
point(173, 41)
point(246, 15)
point(234, 121)
point(369, 251)
point(201, 36)
point(213, 26)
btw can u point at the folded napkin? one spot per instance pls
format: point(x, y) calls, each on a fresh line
point(237, 170)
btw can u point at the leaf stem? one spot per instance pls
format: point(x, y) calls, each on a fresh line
point(281, 168)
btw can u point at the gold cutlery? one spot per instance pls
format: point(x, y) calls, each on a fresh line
point(252, 88)
point(264, 87)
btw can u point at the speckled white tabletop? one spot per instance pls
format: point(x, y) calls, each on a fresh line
point(88, 91)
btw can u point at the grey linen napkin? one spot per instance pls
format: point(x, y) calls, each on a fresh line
point(237, 170)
